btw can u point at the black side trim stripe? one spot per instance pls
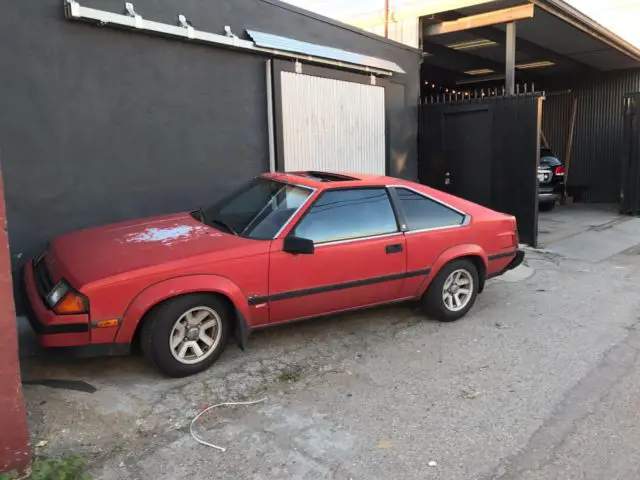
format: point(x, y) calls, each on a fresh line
point(498, 256)
point(68, 328)
point(517, 260)
point(336, 287)
point(54, 329)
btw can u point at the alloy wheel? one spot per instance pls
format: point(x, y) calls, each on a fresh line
point(457, 290)
point(195, 335)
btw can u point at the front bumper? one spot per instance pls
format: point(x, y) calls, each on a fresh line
point(53, 330)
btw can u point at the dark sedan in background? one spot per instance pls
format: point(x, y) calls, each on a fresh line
point(551, 180)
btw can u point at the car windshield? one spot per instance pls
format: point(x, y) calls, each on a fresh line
point(550, 161)
point(548, 158)
point(257, 210)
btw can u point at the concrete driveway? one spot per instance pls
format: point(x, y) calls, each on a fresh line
point(539, 381)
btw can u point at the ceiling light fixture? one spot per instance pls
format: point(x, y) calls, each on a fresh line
point(539, 64)
point(472, 44)
point(479, 71)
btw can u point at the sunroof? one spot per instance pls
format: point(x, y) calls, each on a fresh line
point(325, 177)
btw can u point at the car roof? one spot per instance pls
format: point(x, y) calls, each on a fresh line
point(355, 180)
point(323, 180)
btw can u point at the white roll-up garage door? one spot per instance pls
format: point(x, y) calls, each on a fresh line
point(332, 125)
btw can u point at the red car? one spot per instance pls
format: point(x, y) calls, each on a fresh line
point(283, 247)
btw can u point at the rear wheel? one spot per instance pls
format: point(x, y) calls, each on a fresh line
point(453, 292)
point(186, 335)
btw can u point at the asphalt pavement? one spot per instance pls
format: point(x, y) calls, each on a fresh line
point(539, 381)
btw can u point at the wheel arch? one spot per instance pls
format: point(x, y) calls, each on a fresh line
point(135, 339)
point(472, 252)
point(481, 267)
point(153, 297)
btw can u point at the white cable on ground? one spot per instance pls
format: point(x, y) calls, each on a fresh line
point(203, 442)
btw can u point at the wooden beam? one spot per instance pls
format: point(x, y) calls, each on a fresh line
point(569, 147)
point(545, 142)
point(495, 17)
point(386, 18)
point(510, 59)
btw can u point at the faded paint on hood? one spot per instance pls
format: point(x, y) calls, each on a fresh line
point(97, 253)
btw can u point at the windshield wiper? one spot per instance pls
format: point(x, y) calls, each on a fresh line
point(225, 225)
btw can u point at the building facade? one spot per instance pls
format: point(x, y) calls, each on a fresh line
point(108, 124)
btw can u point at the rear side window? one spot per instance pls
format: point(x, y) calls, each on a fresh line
point(348, 214)
point(423, 213)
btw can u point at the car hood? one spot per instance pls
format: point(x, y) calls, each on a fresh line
point(102, 252)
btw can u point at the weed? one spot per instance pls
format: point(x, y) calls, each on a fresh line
point(290, 377)
point(469, 394)
point(68, 468)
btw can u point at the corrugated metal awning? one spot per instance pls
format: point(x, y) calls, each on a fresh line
point(268, 40)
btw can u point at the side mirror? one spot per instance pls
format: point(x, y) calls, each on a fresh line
point(298, 245)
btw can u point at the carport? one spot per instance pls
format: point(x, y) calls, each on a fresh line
point(501, 79)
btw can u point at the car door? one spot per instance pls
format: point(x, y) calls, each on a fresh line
point(431, 227)
point(359, 257)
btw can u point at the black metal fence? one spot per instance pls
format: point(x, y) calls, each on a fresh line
point(596, 156)
point(484, 146)
point(447, 95)
point(630, 191)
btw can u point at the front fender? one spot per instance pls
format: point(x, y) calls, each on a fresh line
point(466, 250)
point(173, 287)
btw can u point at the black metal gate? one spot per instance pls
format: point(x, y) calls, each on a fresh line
point(485, 147)
point(630, 186)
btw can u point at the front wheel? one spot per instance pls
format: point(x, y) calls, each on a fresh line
point(453, 292)
point(186, 335)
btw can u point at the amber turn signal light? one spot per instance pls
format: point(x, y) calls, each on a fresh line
point(71, 303)
point(107, 323)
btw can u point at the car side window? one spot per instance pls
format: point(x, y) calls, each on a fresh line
point(348, 214)
point(422, 213)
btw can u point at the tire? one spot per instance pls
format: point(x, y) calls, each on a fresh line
point(547, 206)
point(434, 302)
point(178, 319)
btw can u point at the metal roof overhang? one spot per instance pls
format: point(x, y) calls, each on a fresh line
point(264, 43)
point(558, 40)
point(284, 44)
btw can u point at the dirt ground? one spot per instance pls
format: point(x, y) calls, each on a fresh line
point(539, 381)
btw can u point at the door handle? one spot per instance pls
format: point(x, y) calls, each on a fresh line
point(397, 248)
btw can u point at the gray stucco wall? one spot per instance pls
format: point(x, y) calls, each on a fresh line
point(100, 125)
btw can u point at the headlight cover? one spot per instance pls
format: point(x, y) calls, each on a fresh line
point(65, 300)
point(58, 293)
